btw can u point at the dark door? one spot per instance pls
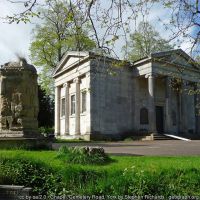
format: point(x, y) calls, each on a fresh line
point(159, 119)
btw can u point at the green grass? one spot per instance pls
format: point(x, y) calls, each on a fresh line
point(150, 162)
point(120, 162)
point(126, 175)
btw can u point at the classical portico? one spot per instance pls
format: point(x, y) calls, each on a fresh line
point(72, 98)
point(149, 96)
point(68, 112)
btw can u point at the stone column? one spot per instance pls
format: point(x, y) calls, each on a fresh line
point(183, 113)
point(151, 100)
point(136, 110)
point(168, 122)
point(77, 110)
point(88, 126)
point(196, 109)
point(179, 112)
point(66, 85)
point(1, 92)
point(57, 110)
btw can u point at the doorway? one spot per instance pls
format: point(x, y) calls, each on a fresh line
point(160, 119)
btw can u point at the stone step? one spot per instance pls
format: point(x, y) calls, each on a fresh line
point(162, 137)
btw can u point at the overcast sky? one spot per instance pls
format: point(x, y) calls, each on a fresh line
point(16, 38)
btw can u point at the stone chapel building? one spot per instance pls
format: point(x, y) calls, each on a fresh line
point(98, 97)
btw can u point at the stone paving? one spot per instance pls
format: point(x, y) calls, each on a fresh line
point(145, 148)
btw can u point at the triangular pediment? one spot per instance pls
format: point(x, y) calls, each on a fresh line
point(70, 59)
point(177, 57)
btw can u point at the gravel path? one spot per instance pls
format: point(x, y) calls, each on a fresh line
point(145, 148)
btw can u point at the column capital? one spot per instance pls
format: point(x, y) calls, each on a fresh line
point(58, 86)
point(151, 75)
point(77, 80)
point(67, 84)
point(88, 74)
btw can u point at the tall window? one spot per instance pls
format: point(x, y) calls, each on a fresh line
point(73, 104)
point(144, 119)
point(62, 107)
point(83, 103)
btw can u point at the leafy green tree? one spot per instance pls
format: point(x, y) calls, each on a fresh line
point(56, 35)
point(144, 41)
point(116, 17)
point(112, 20)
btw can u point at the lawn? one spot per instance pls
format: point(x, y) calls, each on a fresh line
point(120, 162)
point(125, 175)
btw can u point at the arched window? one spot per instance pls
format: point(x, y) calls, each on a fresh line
point(173, 118)
point(144, 119)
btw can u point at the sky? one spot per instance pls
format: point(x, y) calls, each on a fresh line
point(15, 38)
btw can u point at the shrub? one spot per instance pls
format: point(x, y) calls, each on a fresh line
point(21, 171)
point(84, 155)
point(46, 130)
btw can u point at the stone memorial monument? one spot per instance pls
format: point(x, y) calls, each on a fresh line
point(18, 100)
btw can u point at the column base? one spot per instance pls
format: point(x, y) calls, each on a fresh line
point(154, 133)
point(66, 133)
point(85, 137)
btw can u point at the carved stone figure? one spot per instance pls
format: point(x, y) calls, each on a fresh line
point(18, 100)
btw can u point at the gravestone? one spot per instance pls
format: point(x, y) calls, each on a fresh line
point(13, 192)
point(18, 100)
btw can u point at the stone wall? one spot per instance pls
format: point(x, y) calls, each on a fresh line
point(111, 99)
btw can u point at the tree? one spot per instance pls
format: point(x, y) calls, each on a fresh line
point(144, 41)
point(115, 17)
point(26, 13)
point(46, 109)
point(184, 22)
point(197, 59)
point(54, 37)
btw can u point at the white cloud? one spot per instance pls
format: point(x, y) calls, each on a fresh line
point(14, 38)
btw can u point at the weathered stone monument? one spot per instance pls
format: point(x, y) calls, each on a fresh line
point(18, 100)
